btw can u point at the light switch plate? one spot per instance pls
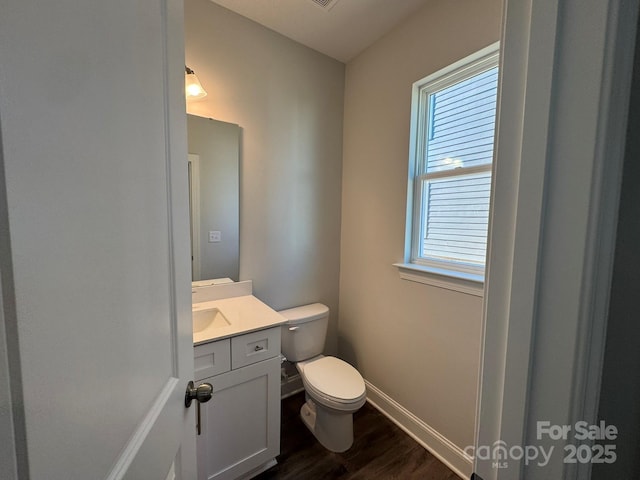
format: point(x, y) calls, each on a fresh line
point(215, 236)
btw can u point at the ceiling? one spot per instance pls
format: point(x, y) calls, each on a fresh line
point(342, 31)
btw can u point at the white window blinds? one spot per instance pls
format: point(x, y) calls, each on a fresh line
point(456, 218)
point(462, 123)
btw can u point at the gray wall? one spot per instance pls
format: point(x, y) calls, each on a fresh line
point(288, 100)
point(417, 343)
point(218, 146)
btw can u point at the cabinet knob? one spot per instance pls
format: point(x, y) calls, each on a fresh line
point(202, 393)
point(258, 348)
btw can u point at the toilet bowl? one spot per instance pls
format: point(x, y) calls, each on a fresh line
point(334, 390)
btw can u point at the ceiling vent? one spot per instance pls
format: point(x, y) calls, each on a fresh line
point(324, 4)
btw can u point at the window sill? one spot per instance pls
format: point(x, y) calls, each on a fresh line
point(468, 283)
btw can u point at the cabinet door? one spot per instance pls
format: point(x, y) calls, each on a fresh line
point(241, 422)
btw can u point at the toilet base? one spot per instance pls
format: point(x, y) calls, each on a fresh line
point(334, 430)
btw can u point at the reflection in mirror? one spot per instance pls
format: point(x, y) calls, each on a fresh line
point(214, 203)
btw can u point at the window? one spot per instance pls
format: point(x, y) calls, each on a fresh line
point(453, 125)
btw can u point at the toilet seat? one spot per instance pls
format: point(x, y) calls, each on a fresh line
point(333, 383)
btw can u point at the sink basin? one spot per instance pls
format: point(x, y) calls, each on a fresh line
point(212, 317)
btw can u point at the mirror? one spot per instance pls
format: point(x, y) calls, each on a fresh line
point(214, 204)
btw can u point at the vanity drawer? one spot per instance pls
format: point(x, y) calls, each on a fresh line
point(255, 347)
point(212, 359)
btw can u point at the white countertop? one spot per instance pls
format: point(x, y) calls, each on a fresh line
point(245, 314)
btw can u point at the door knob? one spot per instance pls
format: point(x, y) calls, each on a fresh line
point(202, 393)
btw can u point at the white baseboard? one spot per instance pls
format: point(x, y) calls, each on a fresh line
point(438, 445)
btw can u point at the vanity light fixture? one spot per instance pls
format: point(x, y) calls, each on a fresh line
point(192, 86)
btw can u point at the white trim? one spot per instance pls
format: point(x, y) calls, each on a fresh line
point(529, 116)
point(524, 99)
point(437, 444)
point(456, 172)
point(479, 61)
point(182, 344)
point(468, 283)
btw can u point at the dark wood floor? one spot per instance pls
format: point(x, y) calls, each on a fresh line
point(380, 451)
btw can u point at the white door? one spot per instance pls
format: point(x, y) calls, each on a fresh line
point(96, 284)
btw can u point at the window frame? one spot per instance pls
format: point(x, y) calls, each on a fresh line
point(457, 275)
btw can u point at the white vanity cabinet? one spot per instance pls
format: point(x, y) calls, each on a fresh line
point(240, 425)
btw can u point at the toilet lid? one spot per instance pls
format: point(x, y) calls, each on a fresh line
point(335, 378)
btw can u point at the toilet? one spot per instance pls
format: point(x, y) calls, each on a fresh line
point(334, 390)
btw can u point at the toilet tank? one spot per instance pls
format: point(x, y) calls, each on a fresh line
point(304, 334)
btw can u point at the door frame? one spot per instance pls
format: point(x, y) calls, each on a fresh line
point(538, 51)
